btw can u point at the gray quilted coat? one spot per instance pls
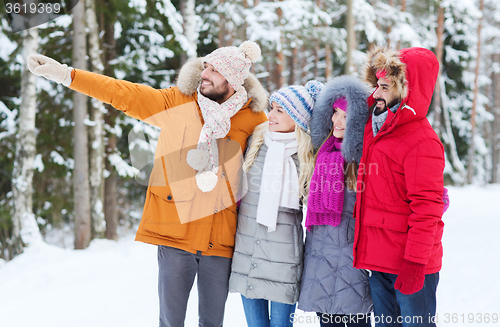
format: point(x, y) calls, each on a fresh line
point(267, 265)
point(330, 283)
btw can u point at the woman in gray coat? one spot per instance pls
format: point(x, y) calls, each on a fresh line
point(331, 287)
point(269, 247)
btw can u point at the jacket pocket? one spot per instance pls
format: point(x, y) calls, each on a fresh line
point(165, 210)
point(385, 219)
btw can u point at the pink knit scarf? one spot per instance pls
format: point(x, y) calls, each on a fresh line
point(217, 123)
point(326, 193)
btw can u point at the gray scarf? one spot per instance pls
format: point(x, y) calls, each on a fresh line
point(379, 120)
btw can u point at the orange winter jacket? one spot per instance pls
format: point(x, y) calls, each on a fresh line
point(176, 213)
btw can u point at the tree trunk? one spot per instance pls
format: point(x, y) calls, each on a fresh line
point(495, 155)
point(403, 9)
point(269, 78)
point(403, 5)
point(111, 198)
point(292, 78)
point(222, 27)
point(439, 55)
point(389, 28)
point(328, 62)
point(316, 59)
point(183, 56)
point(244, 32)
point(189, 26)
point(279, 79)
point(96, 131)
point(81, 157)
point(25, 227)
point(472, 146)
point(110, 193)
point(351, 39)
point(303, 75)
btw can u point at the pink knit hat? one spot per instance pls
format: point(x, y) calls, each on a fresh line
point(340, 103)
point(234, 62)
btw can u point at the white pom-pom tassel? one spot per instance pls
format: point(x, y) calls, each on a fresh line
point(197, 159)
point(206, 181)
point(251, 50)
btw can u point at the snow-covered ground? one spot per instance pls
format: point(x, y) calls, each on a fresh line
point(114, 283)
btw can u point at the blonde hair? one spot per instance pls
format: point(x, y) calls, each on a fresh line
point(257, 140)
point(307, 159)
point(305, 153)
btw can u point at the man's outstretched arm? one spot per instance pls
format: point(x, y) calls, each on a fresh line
point(136, 100)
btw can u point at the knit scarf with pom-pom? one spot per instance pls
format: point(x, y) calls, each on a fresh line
point(326, 192)
point(217, 123)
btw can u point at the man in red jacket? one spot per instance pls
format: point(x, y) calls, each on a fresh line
point(400, 189)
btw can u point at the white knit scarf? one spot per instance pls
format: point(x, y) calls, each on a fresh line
point(280, 182)
point(217, 123)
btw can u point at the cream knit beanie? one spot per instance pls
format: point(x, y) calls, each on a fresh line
point(234, 62)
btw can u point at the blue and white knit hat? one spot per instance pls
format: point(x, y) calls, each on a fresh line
point(298, 101)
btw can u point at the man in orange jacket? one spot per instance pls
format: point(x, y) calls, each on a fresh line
point(190, 208)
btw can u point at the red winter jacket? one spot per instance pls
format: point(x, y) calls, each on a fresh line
point(400, 183)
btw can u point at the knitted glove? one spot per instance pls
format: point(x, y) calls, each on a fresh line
point(41, 65)
point(411, 277)
point(446, 200)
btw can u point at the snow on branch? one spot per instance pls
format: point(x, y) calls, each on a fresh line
point(122, 167)
point(175, 20)
point(9, 122)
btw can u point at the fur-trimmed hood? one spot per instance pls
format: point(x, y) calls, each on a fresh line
point(321, 123)
point(388, 60)
point(414, 72)
point(190, 78)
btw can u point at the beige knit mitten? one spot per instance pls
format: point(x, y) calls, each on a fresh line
point(41, 65)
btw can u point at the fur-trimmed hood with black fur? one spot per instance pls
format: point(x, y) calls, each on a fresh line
point(356, 93)
point(190, 78)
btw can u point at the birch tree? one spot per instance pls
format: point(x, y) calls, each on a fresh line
point(80, 147)
point(189, 25)
point(25, 231)
point(350, 38)
point(279, 79)
point(96, 130)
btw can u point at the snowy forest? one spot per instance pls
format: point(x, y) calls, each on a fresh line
point(67, 163)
